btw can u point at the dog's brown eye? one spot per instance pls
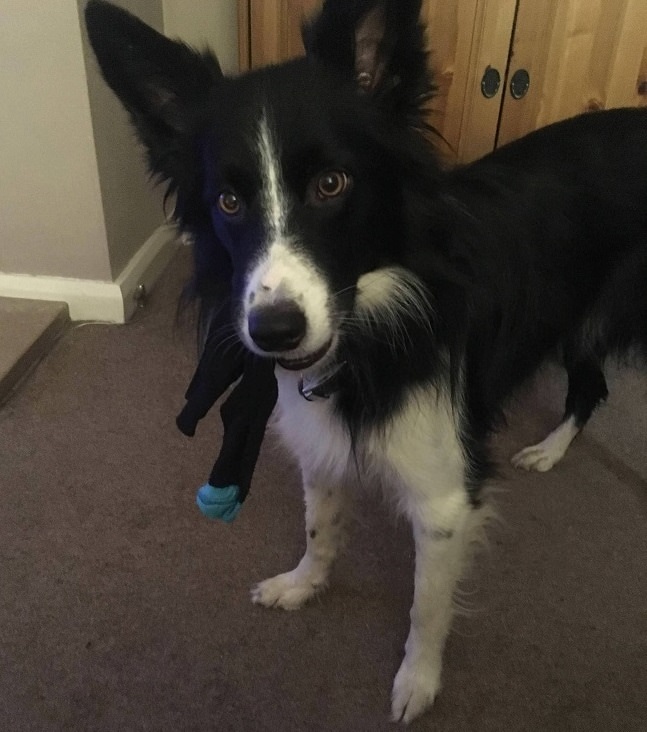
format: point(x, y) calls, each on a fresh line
point(332, 184)
point(229, 203)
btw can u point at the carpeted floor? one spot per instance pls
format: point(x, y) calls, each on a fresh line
point(123, 609)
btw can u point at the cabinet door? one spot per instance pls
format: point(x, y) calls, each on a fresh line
point(580, 56)
point(466, 38)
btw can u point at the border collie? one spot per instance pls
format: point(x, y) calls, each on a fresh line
point(416, 299)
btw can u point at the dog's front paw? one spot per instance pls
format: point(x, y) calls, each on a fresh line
point(288, 591)
point(414, 690)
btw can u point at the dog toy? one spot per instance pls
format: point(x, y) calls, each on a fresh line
point(244, 414)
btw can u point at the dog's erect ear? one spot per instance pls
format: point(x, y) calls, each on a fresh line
point(380, 42)
point(162, 83)
point(371, 49)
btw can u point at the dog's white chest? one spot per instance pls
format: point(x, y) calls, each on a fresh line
point(422, 437)
point(311, 430)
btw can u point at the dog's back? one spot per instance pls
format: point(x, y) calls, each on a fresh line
point(539, 250)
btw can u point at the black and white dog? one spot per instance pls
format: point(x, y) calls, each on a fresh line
point(417, 299)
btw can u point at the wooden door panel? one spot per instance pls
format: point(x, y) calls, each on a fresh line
point(466, 37)
point(581, 56)
point(627, 77)
point(276, 29)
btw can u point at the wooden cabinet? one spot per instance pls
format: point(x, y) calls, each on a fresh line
point(465, 38)
point(577, 55)
point(275, 29)
point(581, 55)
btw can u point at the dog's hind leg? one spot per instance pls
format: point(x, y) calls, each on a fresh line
point(326, 517)
point(587, 387)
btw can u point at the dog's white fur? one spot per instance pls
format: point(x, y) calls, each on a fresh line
point(417, 456)
point(286, 274)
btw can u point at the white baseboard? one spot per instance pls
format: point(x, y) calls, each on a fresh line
point(147, 265)
point(110, 302)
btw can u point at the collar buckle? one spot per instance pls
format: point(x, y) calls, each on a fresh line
point(323, 387)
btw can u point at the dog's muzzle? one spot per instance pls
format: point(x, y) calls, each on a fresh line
point(280, 330)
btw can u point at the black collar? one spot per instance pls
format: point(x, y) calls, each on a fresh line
point(321, 386)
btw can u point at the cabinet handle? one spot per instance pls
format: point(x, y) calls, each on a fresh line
point(519, 84)
point(490, 82)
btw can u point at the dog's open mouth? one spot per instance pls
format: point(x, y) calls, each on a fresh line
point(301, 364)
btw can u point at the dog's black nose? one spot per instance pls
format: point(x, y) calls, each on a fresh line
point(278, 327)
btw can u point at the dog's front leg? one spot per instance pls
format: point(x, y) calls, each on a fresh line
point(442, 526)
point(326, 514)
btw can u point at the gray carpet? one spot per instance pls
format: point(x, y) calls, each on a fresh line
point(122, 608)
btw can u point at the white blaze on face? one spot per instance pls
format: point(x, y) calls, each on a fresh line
point(274, 199)
point(283, 272)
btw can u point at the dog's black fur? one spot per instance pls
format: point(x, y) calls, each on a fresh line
point(536, 251)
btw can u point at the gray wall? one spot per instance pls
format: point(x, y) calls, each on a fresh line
point(132, 209)
point(75, 200)
point(51, 217)
point(212, 23)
